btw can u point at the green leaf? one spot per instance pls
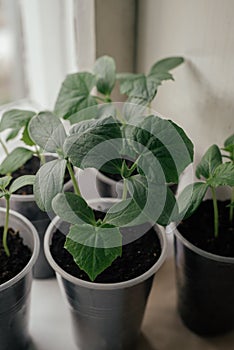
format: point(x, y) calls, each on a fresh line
point(164, 148)
point(22, 181)
point(12, 134)
point(15, 160)
point(190, 199)
point(223, 175)
point(26, 137)
point(2, 194)
point(4, 182)
point(93, 143)
point(15, 119)
point(47, 131)
point(229, 141)
point(166, 64)
point(94, 248)
point(73, 209)
point(209, 162)
point(150, 202)
point(74, 95)
point(49, 182)
point(104, 69)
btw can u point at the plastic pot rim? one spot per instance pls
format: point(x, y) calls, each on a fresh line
point(104, 286)
point(219, 258)
point(35, 250)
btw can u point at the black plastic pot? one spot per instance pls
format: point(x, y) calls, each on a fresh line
point(15, 293)
point(205, 284)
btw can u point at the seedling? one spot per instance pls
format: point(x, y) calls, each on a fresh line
point(162, 152)
point(6, 193)
point(17, 121)
point(215, 174)
point(229, 149)
point(76, 91)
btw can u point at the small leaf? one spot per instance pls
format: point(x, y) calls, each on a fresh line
point(223, 175)
point(74, 95)
point(4, 182)
point(73, 209)
point(150, 202)
point(2, 194)
point(94, 248)
point(190, 199)
point(104, 69)
point(22, 181)
point(166, 64)
point(15, 119)
point(49, 182)
point(26, 137)
point(47, 131)
point(15, 160)
point(229, 141)
point(12, 134)
point(209, 162)
point(95, 142)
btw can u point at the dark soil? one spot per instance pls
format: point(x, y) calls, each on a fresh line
point(30, 168)
point(199, 229)
point(137, 257)
point(20, 255)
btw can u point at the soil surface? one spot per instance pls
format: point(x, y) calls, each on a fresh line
point(30, 168)
point(137, 257)
point(20, 255)
point(199, 229)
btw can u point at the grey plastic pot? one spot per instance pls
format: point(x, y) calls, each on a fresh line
point(15, 293)
point(205, 284)
point(104, 316)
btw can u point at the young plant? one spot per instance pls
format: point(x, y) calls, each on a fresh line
point(229, 149)
point(215, 173)
point(162, 152)
point(17, 121)
point(6, 193)
point(76, 91)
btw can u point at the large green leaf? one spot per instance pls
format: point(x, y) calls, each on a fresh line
point(164, 148)
point(15, 119)
point(223, 175)
point(104, 70)
point(16, 159)
point(211, 159)
point(22, 181)
point(73, 209)
point(93, 143)
point(94, 248)
point(4, 181)
point(47, 131)
point(149, 202)
point(190, 199)
point(166, 64)
point(49, 182)
point(74, 95)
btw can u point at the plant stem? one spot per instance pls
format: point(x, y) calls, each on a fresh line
point(73, 178)
point(231, 208)
point(4, 147)
point(4, 239)
point(216, 213)
point(125, 190)
point(100, 98)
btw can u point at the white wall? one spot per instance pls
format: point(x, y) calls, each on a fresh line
point(202, 98)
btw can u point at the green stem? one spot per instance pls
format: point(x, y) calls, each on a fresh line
point(125, 190)
point(40, 155)
point(73, 178)
point(216, 213)
point(231, 208)
point(4, 147)
point(4, 239)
